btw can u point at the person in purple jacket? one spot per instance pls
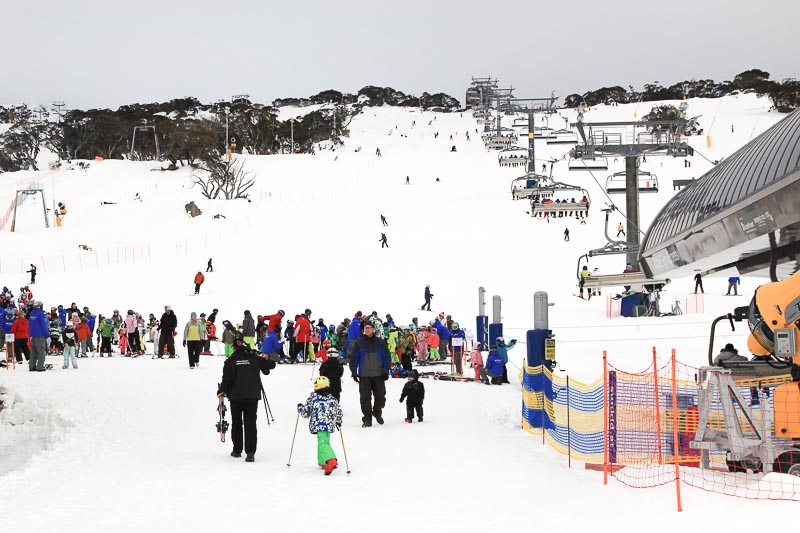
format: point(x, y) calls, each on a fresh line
point(39, 332)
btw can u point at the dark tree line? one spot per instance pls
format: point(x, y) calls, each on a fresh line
point(785, 96)
point(190, 132)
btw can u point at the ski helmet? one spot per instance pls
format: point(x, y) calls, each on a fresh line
point(500, 340)
point(307, 312)
point(70, 325)
point(322, 382)
point(281, 312)
point(238, 337)
point(413, 374)
point(454, 326)
point(326, 342)
point(109, 321)
point(333, 352)
point(432, 322)
point(332, 327)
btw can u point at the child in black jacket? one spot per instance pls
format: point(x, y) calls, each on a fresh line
point(333, 370)
point(414, 390)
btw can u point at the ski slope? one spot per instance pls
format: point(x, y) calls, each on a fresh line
point(130, 443)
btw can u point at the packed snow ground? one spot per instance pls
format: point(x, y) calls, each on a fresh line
point(130, 443)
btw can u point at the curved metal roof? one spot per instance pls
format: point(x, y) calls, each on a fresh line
point(750, 195)
point(769, 157)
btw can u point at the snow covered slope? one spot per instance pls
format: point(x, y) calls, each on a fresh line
point(135, 442)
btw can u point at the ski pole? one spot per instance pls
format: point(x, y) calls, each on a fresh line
point(267, 408)
point(313, 367)
point(296, 422)
point(346, 463)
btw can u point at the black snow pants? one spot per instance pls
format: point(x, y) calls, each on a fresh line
point(247, 410)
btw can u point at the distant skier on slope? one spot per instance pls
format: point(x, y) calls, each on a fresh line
point(383, 242)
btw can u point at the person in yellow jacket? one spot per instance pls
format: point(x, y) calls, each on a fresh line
point(620, 229)
point(194, 333)
point(584, 274)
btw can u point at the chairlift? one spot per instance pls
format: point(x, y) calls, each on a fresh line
point(520, 122)
point(530, 186)
point(542, 133)
point(647, 182)
point(563, 201)
point(513, 156)
point(596, 163)
point(563, 137)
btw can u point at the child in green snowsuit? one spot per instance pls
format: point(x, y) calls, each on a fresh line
point(324, 416)
point(392, 344)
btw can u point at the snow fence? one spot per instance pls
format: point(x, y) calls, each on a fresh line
point(638, 427)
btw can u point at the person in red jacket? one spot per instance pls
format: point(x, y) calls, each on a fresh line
point(21, 336)
point(274, 322)
point(83, 333)
point(199, 278)
point(302, 334)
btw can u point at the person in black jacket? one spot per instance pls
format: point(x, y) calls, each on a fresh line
point(167, 326)
point(333, 370)
point(369, 367)
point(427, 305)
point(241, 383)
point(414, 390)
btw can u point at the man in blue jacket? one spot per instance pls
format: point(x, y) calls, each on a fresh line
point(353, 334)
point(495, 368)
point(271, 346)
point(39, 332)
point(369, 367)
point(733, 283)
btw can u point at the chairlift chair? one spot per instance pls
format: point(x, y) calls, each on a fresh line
point(531, 185)
point(587, 164)
point(562, 137)
point(512, 156)
point(542, 133)
point(647, 182)
point(560, 203)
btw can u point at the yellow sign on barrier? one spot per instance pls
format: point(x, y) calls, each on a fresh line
point(550, 349)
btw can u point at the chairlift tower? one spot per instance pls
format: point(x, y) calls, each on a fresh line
point(144, 127)
point(480, 93)
point(531, 106)
point(631, 140)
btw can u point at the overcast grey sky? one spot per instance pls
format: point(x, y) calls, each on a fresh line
point(105, 53)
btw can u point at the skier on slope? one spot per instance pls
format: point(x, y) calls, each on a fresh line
point(428, 296)
point(199, 278)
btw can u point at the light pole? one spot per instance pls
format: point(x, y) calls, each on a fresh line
point(227, 142)
point(58, 104)
point(291, 123)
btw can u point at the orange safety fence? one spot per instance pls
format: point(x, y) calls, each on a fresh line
point(715, 429)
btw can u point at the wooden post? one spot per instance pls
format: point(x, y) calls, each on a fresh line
point(605, 419)
point(658, 412)
point(675, 434)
